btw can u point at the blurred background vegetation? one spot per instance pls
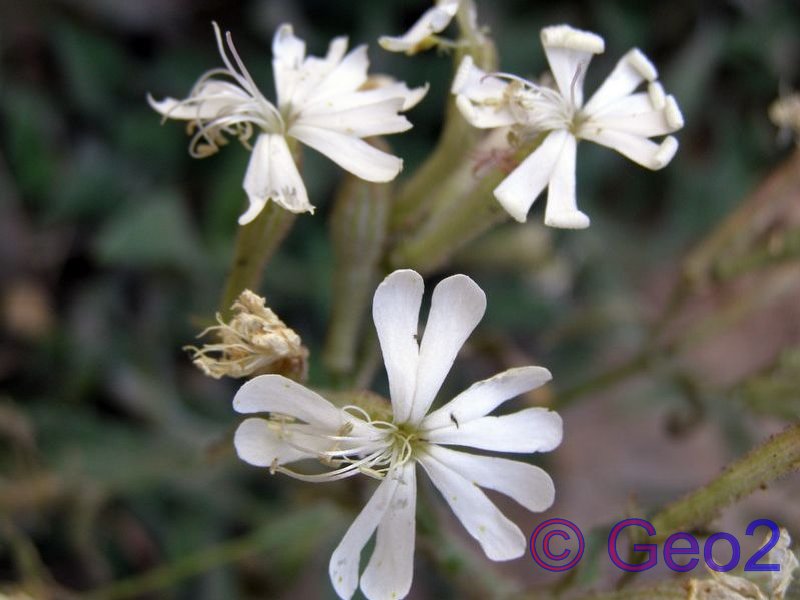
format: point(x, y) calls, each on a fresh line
point(117, 475)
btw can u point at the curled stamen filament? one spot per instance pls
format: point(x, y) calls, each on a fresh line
point(344, 472)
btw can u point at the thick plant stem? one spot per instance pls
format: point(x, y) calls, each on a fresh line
point(256, 242)
point(358, 235)
point(449, 229)
point(777, 457)
point(464, 210)
point(457, 138)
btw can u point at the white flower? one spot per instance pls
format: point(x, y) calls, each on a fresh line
point(319, 103)
point(418, 38)
point(614, 116)
point(388, 446)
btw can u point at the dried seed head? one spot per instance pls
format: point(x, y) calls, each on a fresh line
point(254, 342)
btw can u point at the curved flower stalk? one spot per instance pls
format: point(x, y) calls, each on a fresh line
point(388, 444)
point(421, 35)
point(320, 103)
point(614, 116)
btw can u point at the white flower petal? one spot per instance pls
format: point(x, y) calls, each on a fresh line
point(272, 175)
point(390, 569)
point(395, 310)
point(480, 97)
point(646, 124)
point(288, 54)
point(344, 563)
point(373, 95)
point(411, 96)
point(484, 116)
point(569, 52)
point(500, 538)
point(637, 148)
point(259, 444)
point(277, 394)
point(639, 114)
point(562, 208)
point(432, 21)
point(457, 306)
point(377, 89)
point(336, 50)
point(631, 70)
point(517, 192)
point(210, 100)
point(483, 397)
point(529, 430)
point(378, 118)
point(630, 105)
point(527, 484)
point(477, 84)
point(347, 76)
point(350, 153)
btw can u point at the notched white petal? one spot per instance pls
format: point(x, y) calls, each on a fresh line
point(277, 394)
point(527, 484)
point(395, 310)
point(272, 175)
point(499, 538)
point(390, 569)
point(457, 306)
point(343, 566)
point(529, 430)
point(263, 444)
point(483, 397)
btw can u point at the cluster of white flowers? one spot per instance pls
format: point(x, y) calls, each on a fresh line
point(329, 104)
point(304, 425)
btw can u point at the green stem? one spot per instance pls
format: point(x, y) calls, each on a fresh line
point(775, 458)
point(358, 236)
point(301, 524)
point(256, 242)
point(457, 138)
point(451, 228)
